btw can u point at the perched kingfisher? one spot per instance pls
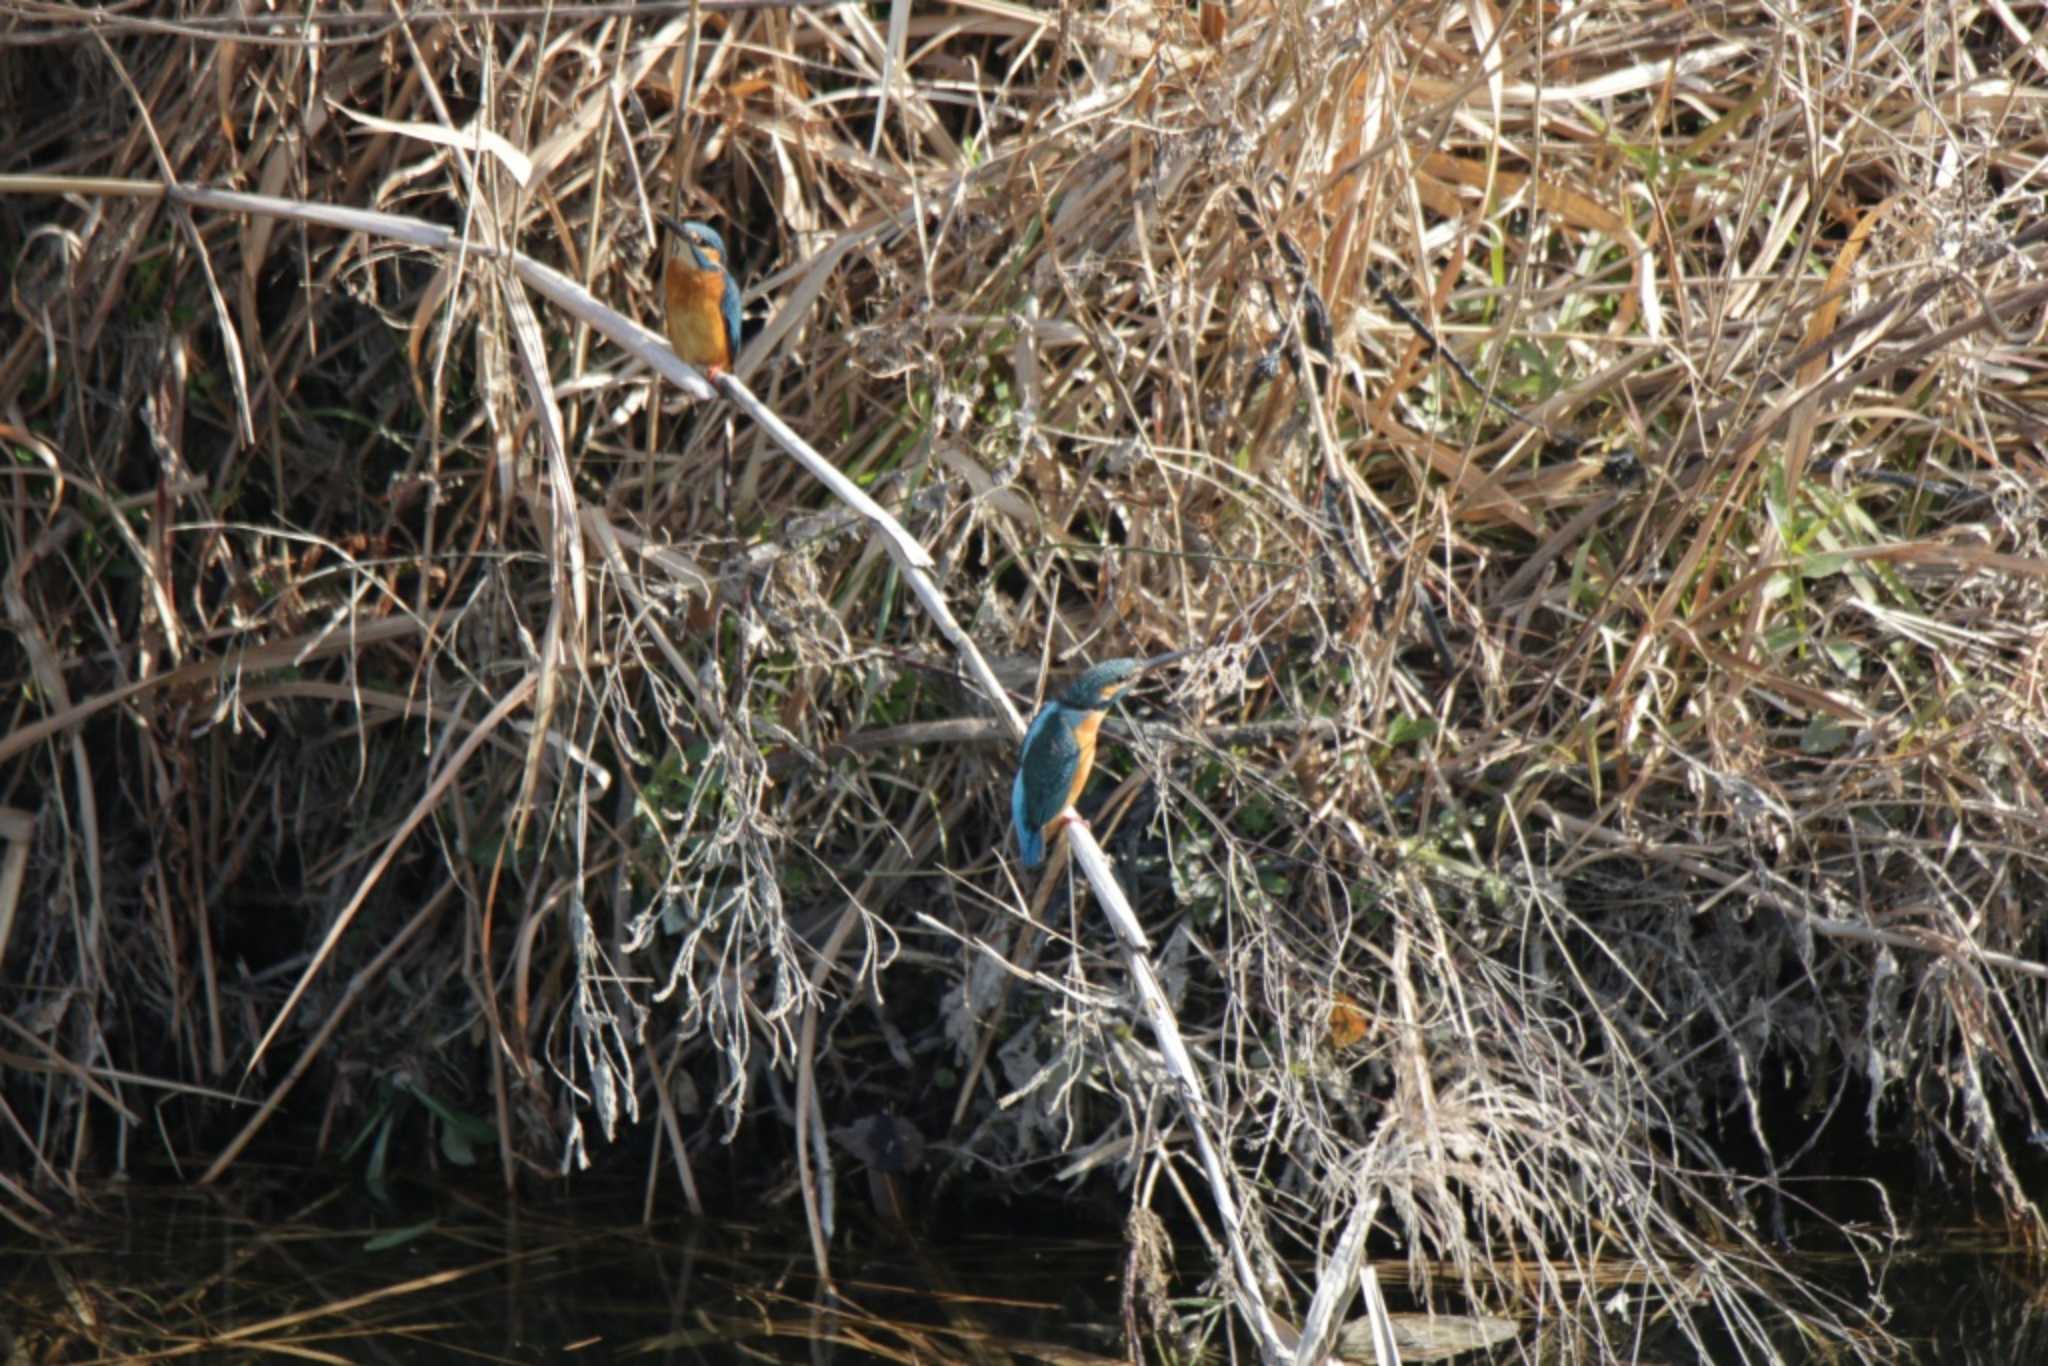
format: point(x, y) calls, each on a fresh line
point(1059, 749)
point(699, 296)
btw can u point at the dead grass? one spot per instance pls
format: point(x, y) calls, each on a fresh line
point(1568, 835)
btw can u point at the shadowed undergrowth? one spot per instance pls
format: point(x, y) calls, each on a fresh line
point(1573, 833)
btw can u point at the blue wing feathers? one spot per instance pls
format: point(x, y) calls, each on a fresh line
point(1045, 772)
point(730, 306)
point(1030, 838)
point(1025, 799)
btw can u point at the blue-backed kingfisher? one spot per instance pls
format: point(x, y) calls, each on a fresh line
point(1059, 750)
point(700, 300)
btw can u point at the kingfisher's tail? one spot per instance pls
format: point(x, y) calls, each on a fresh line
point(1030, 839)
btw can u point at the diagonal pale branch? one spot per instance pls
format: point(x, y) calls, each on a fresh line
point(910, 556)
point(1173, 1050)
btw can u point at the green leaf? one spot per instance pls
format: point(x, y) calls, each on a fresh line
point(1824, 735)
point(1822, 566)
point(398, 1237)
point(1402, 730)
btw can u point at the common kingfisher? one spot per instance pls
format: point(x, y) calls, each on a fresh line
point(700, 297)
point(1059, 750)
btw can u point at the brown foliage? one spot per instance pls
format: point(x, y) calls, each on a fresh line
point(1653, 788)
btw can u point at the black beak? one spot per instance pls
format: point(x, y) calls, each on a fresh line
point(674, 225)
point(1167, 658)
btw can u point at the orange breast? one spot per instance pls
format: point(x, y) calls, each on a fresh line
point(696, 326)
point(1084, 736)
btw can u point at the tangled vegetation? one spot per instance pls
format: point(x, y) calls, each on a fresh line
point(1572, 831)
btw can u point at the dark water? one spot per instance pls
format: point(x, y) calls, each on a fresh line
point(467, 1276)
point(472, 1277)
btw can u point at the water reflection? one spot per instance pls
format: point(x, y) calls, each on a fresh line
point(178, 1274)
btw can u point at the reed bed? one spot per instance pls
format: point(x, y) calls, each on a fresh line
point(1609, 831)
